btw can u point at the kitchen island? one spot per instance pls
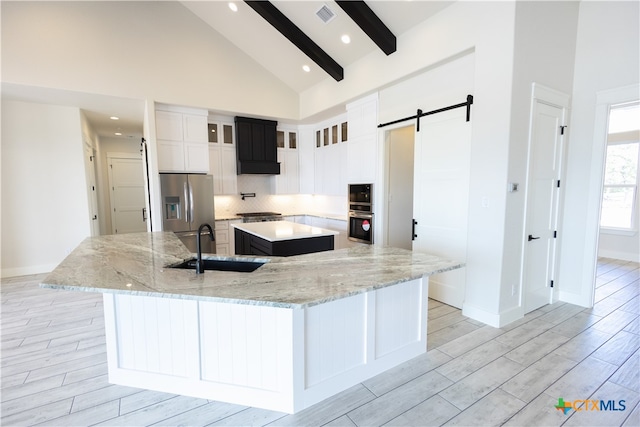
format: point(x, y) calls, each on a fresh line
point(281, 238)
point(291, 333)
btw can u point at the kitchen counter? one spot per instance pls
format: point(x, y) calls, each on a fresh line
point(138, 263)
point(284, 337)
point(275, 231)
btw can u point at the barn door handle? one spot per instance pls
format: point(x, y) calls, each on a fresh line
point(532, 238)
point(413, 229)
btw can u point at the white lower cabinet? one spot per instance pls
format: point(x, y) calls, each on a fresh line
point(225, 240)
point(221, 232)
point(278, 358)
point(341, 240)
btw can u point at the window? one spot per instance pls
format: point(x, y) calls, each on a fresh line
point(620, 192)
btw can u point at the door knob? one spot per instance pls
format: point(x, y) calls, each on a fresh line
point(532, 238)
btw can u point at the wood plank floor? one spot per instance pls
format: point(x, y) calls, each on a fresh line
point(54, 369)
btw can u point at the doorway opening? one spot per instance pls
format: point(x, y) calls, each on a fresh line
point(127, 193)
point(619, 211)
point(427, 183)
point(399, 154)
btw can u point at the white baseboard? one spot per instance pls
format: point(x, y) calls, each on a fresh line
point(493, 319)
point(625, 256)
point(575, 299)
point(446, 293)
point(480, 315)
point(27, 271)
point(511, 315)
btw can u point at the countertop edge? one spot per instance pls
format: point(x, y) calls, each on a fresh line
point(277, 304)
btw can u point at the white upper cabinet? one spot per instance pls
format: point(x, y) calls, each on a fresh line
point(362, 152)
point(169, 126)
point(306, 159)
point(182, 141)
point(330, 155)
point(222, 157)
point(288, 182)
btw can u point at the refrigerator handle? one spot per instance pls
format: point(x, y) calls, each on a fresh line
point(192, 212)
point(187, 202)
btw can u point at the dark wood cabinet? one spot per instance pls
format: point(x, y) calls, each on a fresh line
point(248, 244)
point(256, 146)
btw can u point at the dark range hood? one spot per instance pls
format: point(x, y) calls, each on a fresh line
point(256, 146)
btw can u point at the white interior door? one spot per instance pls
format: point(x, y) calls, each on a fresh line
point(400, 146)
point(441, 197)
point(545, 160)
point(126, 182)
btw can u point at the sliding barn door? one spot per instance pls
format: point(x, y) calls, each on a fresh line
point(441, 197)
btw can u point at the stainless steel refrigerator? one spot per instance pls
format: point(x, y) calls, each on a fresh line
point(187, 202)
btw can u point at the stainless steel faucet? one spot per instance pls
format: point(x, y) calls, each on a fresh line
point(199, 266)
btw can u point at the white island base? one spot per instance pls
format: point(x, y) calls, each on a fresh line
point(283, 359)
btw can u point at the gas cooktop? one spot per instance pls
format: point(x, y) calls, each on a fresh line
point(260, 216)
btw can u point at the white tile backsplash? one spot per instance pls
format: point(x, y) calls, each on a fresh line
point(266, 201)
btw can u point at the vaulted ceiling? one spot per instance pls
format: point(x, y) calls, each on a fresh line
point(255, 36)
point(251, 33)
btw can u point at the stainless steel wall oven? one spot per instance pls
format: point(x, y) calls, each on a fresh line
point(360, 226)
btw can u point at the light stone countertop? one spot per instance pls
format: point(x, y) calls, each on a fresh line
point(275, 231)
point(137, 264)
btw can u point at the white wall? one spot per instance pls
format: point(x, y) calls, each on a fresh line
point(487, 28)
point(544, 51)
point(44, 201)
point(154, 50)
point(607, 57)
point(619, 246)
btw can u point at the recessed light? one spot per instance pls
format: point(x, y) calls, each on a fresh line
point(306, 68)
point(118, 134)
point(114, 118)
point(345, 39)
point(233, 6)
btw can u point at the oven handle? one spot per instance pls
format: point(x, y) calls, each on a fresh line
point(360, 215)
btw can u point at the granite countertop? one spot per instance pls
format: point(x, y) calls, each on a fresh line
point(275, 231)
point(138, 263)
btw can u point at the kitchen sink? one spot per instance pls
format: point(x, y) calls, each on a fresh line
point(222, 265)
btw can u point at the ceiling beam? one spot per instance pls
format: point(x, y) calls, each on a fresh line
point(295, 35)
point(369, 22)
